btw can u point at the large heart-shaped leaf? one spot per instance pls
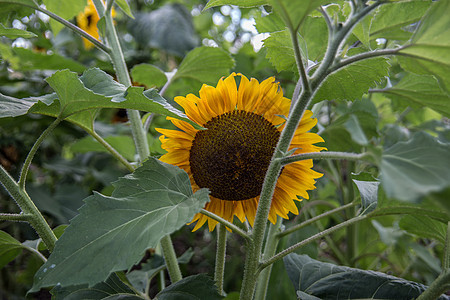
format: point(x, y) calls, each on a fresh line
point(412, 169)
point(328, 281)
point(193, 287)
point(112, 233)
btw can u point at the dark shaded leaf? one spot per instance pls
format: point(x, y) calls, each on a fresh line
point(9, 248)
point(192, 287)
point(328, 281)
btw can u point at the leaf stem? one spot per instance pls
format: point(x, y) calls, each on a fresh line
point(39, 254)
point(15, 217)
point(269, 250)
point(27, 206)
point(220, 257)
point(230, 225)
point(112, 150)
point(298, 60)
point(170, 257)
point(27, 163)
point(317, 236)
point(439, 286)
point(323, 155)
point(73, 27)
point(315, 219)
point(446, 260)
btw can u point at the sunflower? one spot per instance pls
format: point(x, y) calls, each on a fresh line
point(87, 20)
point(231, 156)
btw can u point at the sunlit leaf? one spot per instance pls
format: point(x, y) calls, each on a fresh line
point(413, 169)
point(113, 232)
point(429, 50)
point(14, 33)
point(148, 75)
point(205, 64)
point(420, 90)
point(392, 17)
point(328, 281)
point(123, 4)
point(293, 12)
point(353, 81)
point(9, 248)
point(240, 3)
point(280, 51)
point(64, 9)
point(192, 287)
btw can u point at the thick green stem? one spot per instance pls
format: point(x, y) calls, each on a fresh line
point(220, 257)
point(113, 151)
point(27, 206)
point(15, 217)
point(446, 260)
point(439, 286)
point(27, 163)
point(171, 259)
point(317, 236)
point(269, 250)
point(315, 219)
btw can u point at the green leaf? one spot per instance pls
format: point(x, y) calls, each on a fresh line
point(314, 35)
point(112, 233)
point(113, 286)
point(269, 23)
point(424, 227)
point(14, 33)
point(81, 98)
point(123, 4)
point(356, 132)
point(15, 9)
point(413, 169)
point(9, 248)
point(353, 81)
point(429, 51)
point(328, 281)
point(392, 17)
point(22, 59)
point(293, 13)
point(198, 286)
point(369, 194)
point(13, 107)
point(280, 51)
point(149, 75)
point(205, 64)
point(420, 90)
point(124, 144)
point(240, 3)
point(64, 9)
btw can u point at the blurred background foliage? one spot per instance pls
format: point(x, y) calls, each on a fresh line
point(70, 164)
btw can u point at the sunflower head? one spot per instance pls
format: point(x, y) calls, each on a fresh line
point(231, 156)
point(87, 20)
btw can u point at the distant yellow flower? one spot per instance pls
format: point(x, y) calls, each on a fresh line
point(232, 155)
point(87, 20)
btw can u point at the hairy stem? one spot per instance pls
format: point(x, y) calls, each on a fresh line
point(15, 217)
point(171, 259)
point(27, 206)
point(269, 250)
point(315, 219)
point(317, 236)
point(27, 163)
point(440, 285)
point(112, 150)
point(323, 155)
point(137, 129)
point(220, 257)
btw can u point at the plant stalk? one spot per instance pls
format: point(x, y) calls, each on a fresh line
point(27, 206)
point(30, 156)
point(220, 257)
point(323, 155)
point(439, 286)
point(269, 250)
point(230, 225)
point(137, 129)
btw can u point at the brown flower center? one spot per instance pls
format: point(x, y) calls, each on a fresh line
point(232, 155)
